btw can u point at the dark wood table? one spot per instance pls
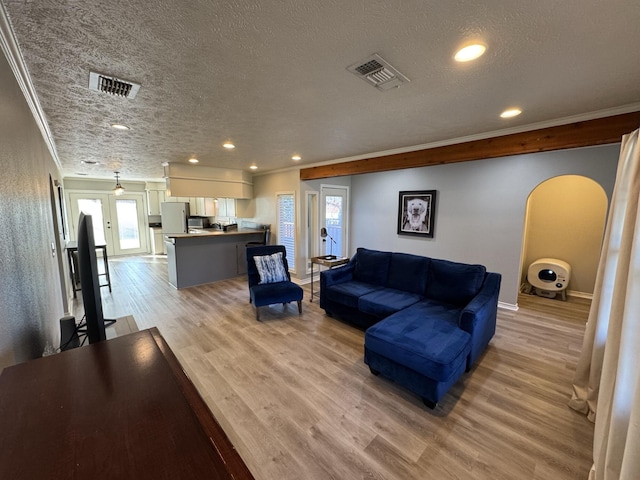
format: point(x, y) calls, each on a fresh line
point(118, 409)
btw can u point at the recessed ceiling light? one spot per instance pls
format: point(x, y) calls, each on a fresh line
point(296, 158)
point(511, 112)
point(253, 167)
point(229, 145)
point(119, 126)
point(193, 160)
point(89, 162)
point(470, 52)
point(82, 173)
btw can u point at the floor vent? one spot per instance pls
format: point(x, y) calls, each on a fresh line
point(112, 85)
point(377, 72)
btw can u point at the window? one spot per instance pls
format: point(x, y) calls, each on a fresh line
point(287, 225)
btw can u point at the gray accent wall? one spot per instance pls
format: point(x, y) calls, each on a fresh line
point(480, 210)
point(30, 290)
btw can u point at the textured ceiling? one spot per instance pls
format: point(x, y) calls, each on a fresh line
point(271, 75)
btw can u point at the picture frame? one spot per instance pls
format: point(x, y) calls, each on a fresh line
point(417, 212)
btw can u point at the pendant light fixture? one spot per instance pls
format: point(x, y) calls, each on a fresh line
point(118, 189)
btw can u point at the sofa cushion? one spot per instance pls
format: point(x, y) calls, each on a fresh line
point(348, 293)
point(372, 266)
point(408, 273)
point(386, 301)
point(424, 338)
point(454, 283)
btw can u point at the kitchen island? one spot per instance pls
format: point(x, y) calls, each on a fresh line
point(208, 256)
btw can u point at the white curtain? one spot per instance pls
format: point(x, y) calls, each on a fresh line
point(607, 381)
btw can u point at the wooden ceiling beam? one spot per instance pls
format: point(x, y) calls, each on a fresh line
point(587, 133)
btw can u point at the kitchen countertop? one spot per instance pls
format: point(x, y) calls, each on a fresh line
point(214, 233)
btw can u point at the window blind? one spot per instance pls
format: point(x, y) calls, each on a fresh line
point(286, 226)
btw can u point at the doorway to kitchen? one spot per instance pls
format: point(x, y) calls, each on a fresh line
point(118, 221)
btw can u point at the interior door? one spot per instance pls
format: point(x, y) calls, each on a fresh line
point(334, 213)
point(118, 221)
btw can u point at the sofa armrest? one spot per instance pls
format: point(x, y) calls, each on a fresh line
point(337, 275)
point(479, 316)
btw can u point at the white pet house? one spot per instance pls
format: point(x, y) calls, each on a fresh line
point(549, 276)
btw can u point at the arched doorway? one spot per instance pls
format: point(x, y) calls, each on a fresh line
point(565, 219)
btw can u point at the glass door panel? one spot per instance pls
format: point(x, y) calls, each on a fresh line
point(96, 205)
point(334, 213)
point(93, 207)
point(128, 232)
point(127, 211)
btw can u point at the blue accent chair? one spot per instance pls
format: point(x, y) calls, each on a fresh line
point(270, 293)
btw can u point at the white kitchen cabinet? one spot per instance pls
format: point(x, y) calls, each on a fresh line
point(209, 207)
point(226, 207)
point(201, 207)
point(154, 199)
point(157, 241)
point(231, 207)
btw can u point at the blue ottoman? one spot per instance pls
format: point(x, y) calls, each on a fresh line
point(421, 348)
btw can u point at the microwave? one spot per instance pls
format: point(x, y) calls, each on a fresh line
point(198, 222)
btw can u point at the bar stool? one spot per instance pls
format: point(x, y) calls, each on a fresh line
point(72, 253)
point(265, 237)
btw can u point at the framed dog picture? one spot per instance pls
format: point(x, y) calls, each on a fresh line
point(416, 213)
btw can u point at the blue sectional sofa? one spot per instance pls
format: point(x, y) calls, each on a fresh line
point(427, 320)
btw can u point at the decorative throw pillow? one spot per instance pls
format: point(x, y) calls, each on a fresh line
point(271, 268)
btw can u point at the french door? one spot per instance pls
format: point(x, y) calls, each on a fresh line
point(334, 216)
point(118, 221)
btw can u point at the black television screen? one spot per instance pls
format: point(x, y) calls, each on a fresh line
point(89, 280)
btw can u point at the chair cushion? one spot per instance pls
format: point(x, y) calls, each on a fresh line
point(386, 301)
point(348, 293)
point(271, 268)
point(424, 338)
point(408, 273)
point(270, 293)
point(454, 283)
point(372, 266)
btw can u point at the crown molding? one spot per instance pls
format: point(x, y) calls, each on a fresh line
point(9, 46)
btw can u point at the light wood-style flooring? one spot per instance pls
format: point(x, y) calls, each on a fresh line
point(295, 398)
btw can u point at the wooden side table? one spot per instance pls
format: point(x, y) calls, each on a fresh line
point(330, 261)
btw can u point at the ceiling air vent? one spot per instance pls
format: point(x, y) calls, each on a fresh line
point(112, 85)
point(377, 72)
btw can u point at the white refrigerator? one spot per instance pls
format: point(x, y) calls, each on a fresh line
point(174, 217)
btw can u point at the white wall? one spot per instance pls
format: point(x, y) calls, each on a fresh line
point(480, 206)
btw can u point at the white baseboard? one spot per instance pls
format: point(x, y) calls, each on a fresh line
point(508, 306)
point(573, 293)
